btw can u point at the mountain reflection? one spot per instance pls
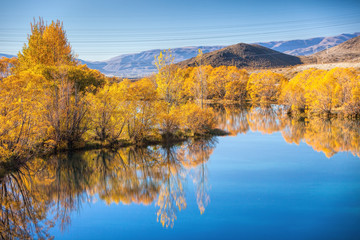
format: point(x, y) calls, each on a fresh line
point(47, 190)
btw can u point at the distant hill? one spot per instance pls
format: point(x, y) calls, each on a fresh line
point(244, 55)
point(143, 63)
point(348, 51)
point(6, 55)
point(140, 64)
point(308, 46)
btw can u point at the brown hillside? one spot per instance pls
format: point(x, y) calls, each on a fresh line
point(245, 56)
point(348, 51)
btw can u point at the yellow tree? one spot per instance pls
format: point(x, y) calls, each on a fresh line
point(108, 112)
point(188, 79)
point(265, 87)
point(168, 86)
point(65, 111)
point(22, 123)
point(345, 92)
point(197, 120)
point(294, 92)
point(47, 45)
point(143, 110)
point(217, 81)
point(201, 79)
point(235, 88)
point(321, 93)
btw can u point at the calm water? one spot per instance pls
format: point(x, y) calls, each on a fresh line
point(272, 178)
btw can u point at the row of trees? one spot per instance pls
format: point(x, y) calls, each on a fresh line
point(313, 90)
point(322, 91)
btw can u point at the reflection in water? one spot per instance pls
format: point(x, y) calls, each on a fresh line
point(58, 186)
point(44, 192)
point(327, 135)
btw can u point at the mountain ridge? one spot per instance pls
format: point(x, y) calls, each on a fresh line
point(142, 63)
point(348, 51)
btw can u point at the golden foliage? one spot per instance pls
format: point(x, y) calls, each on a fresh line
point(47, 45)
point(196, 119)
point(22, 123)
point(322, 91)
point(265, 87)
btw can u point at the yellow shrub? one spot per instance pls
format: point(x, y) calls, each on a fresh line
point(196, 119)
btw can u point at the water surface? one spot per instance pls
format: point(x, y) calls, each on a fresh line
point(272, 178)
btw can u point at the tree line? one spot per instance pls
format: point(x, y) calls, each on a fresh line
point(311, 91)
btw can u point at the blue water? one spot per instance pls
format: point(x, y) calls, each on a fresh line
point(258, 186)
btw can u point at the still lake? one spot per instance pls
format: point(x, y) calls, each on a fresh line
point(273, 177)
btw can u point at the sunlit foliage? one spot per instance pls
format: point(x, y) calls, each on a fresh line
point(265, 87)
point(320, 91)
point(47, 45)
point(22, 122)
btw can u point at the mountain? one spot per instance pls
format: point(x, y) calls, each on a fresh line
point(141, 64)
point(6, 55)
point(348, 51)
point(244, 55)
point(308, 46)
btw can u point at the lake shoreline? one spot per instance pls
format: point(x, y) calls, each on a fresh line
point(16, 162)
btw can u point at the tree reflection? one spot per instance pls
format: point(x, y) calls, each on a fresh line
point(266, 120)
point(194, 156)
point(171, 196)
point(232, 118)
point(327, 135)
point(24, 204)
point(60, 184)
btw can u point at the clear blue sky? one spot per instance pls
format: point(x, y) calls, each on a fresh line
point(102, 29)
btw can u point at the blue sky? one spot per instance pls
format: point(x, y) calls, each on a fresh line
point(99, 30)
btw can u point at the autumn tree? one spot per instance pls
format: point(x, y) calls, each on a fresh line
point(168, 89)
point(47, 45)
point(265, 87)
point(217, 81)
point(143, 110)
point(197, 120)
point(346, 94)
point(65, 112)
point(166, 78)
point(22, 123)
point(235, 87)
point(295, 92)
point(321, 94)
point(201, 79)
point(108, 113)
